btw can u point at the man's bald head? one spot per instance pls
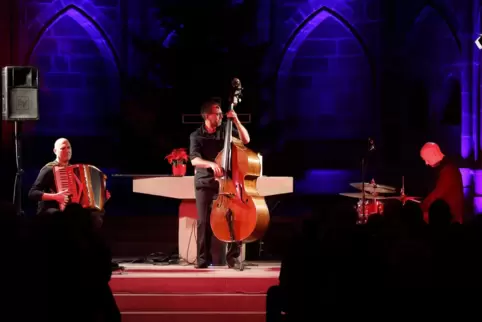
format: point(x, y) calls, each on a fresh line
point(431, 154)
point(60, 141)
point(63, 150)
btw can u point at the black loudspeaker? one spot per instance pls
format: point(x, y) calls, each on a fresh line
point(20, 93)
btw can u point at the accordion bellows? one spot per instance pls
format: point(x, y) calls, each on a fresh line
point(85, 183)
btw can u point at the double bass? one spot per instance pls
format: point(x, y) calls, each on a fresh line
point(239, 213)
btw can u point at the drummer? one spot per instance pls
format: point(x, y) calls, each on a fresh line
point(448, 186)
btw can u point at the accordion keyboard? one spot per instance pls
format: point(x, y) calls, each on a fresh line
point(63, 179)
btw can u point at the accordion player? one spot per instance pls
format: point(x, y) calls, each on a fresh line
point(85, 183)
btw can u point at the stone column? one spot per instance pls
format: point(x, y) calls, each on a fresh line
point(471, 104)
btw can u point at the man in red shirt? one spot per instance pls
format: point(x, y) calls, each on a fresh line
point(448, 187)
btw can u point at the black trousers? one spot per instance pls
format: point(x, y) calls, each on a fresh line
point(97, 216)
point(204, 203)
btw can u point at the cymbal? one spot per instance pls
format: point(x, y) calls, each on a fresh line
point(370, 187)
point(359, 195)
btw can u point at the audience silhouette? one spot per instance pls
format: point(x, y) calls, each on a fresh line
point(57, 267)
point(394, 265)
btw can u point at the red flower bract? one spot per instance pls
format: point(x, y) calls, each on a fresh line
point(177, 155)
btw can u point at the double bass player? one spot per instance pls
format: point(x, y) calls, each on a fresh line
point(205, 144)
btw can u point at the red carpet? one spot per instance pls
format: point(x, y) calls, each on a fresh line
point(146, 293)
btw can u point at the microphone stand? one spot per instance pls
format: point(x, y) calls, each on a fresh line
point(17, 190)
point(371, 147)
point(402, 191)
point(363, 188)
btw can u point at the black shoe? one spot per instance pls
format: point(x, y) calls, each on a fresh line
point(201, 266)
point(234, 263)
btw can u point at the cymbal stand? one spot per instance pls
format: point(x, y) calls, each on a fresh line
point(363, 188)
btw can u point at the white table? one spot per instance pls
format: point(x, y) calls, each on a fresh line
point(183, 188)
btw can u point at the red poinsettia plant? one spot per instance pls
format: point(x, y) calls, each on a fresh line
point(177, 156)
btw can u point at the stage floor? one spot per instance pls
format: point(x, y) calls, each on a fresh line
point(148, 293)
point(253, 269)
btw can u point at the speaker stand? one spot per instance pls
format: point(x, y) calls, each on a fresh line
point(17, 190)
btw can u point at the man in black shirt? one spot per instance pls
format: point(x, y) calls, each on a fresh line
point(44, 190)
point(205, 144)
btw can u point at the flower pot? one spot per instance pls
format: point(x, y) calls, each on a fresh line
point(178, 170)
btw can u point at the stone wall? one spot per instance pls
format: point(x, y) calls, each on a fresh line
point(76, 46)
point(349, 70)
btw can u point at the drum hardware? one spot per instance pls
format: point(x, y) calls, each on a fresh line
point(403, 197)
point(372, 207)
point(367, 205)
point(369, 200)
point(371, 148)
point(373, 187)
point(359, 195)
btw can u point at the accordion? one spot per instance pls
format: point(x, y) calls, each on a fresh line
point(85, 183)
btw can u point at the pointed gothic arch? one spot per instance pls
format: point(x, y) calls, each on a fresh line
point(95, 31)
point(297, 38)
point(307, 26)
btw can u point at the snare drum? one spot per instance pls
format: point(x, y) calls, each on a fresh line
point(372, 207)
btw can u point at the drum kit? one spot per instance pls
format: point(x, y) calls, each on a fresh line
point(374, 195)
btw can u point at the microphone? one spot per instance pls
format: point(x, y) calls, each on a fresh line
point(371, 144)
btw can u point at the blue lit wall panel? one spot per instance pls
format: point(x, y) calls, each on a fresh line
point(326, 181)
point(431, 59)
point(79, 79)
point(325, 82)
